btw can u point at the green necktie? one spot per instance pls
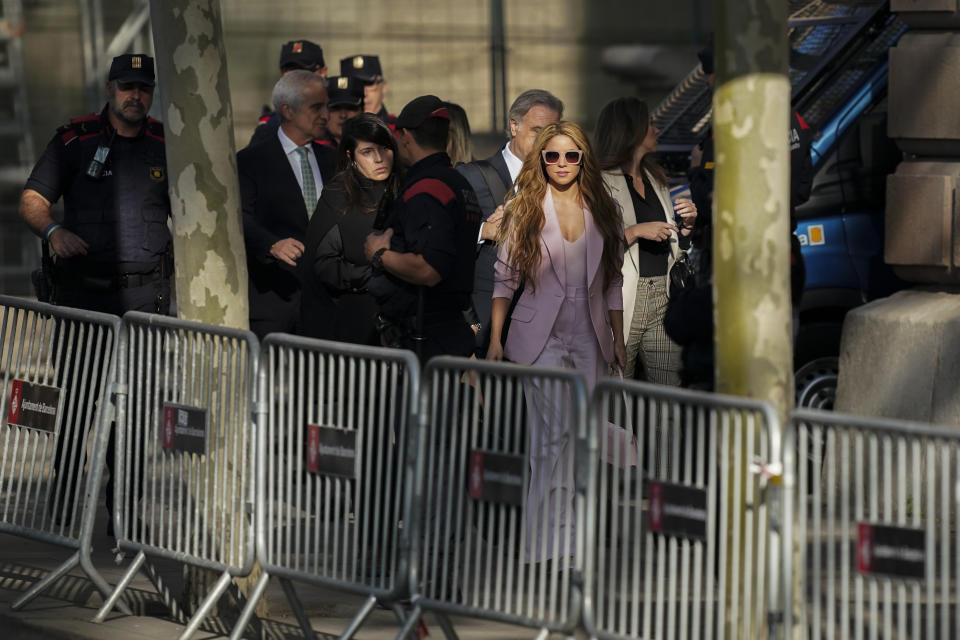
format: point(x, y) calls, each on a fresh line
point(309, 186)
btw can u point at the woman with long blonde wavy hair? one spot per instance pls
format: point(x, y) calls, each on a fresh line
point(561, 248)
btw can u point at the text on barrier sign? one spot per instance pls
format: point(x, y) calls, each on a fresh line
point(891, 552)
point(677, 510)
point(496, 477)
point(185, 428)
point(34, 406)
point(332, 451)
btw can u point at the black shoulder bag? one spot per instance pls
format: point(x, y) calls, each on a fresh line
point(682, 274)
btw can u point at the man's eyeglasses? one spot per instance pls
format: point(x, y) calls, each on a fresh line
point(553, 157)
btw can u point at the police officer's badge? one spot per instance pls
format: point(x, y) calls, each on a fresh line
point(358, 62)
point(298, 47)
point(343, 82)
point(156, 174)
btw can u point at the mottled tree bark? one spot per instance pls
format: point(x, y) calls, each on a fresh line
point(211, 273)
point(211, 270)
point(751, 243)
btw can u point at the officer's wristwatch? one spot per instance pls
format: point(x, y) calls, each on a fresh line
point(377, 259)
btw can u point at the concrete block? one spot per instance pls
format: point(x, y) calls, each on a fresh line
point(924, 92)
point(928, 14)
point(921, 224)
point(900, 358)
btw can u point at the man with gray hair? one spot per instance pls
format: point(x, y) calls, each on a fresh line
point(294, 55)
point(492, 179)
point(281, 179)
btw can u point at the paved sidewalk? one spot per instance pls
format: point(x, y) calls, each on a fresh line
point(67, 608)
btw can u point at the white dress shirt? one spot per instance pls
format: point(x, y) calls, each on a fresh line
point(290, 148)
point(514, 163)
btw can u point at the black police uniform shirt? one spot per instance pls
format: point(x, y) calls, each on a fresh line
point(436, 216)
point(122, 216)
point(388, 117)
point(266, 127)
point(801, 172)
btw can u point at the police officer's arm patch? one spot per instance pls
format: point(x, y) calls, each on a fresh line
point(433, 187)
point(155, 129)
point(80, 128)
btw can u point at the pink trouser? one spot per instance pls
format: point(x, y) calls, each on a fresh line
point(550, 518)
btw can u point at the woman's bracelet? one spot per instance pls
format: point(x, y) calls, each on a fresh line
point(53, 226)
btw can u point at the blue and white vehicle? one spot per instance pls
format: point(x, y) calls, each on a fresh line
point(838, 73)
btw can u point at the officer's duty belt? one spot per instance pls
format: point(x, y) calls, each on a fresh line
point(430, 319)
point(107, 282)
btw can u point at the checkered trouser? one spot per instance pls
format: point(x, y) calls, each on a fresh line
point(647, 341)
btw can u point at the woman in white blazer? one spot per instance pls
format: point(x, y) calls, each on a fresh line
point(655, 229)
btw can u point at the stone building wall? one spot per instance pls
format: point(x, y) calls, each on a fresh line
point(439, 46)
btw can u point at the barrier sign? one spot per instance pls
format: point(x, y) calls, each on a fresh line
point(892, 552)
point(677, 510)
point(332, 451)
point(33, 406)
point(185, 428)
point(496, 477)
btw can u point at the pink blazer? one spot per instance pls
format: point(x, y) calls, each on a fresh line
point(537, 310)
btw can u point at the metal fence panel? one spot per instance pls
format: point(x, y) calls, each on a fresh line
point(185, 446)
point(56, 368)
point(873, 508)
point(675, 507)
point(499, 501)
point(332, 442)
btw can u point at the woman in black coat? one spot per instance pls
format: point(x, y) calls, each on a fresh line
point(334, 272)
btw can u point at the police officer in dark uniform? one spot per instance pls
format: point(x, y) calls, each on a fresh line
point(367, 69)
point(113, 247)
point(701, 175)
point(296, 54)
point(346, 101)
point(423, 262)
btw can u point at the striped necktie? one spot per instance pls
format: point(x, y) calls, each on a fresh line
point(309, 186)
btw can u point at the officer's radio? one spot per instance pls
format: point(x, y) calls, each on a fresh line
point(98, 163)
point(95, 168)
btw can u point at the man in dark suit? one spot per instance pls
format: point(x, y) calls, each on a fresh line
point(492, 179)
point(280, 182)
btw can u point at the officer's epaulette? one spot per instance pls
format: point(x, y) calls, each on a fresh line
point(80, 128)
point(432, 187)
point(323, 142)
point(155, 129)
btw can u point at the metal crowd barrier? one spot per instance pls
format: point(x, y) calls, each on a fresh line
point(56, 368)
point(498, 503)
point(184, 453)
point(669, 474)
point(874, 502)
point(332, 471)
